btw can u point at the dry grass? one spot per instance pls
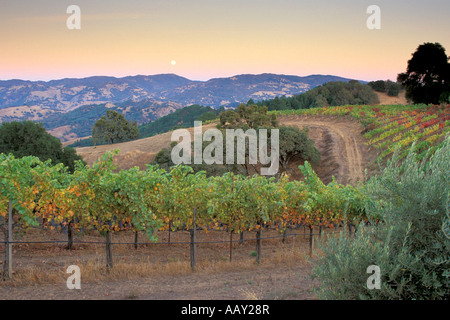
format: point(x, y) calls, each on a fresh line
point(387, 100)
point(37, 264)
point(250, 294)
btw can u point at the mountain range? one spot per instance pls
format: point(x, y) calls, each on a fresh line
point(66, 105)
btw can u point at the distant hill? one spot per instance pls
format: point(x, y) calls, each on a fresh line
point(181, 118)
point(234, 90)
point(69, 94)
point(68, 108)
point(329, 94)
point(79, 122)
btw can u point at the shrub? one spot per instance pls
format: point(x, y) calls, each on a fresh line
point(412, 243)
point(393, 88)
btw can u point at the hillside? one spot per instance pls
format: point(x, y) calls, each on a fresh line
point(349, 138)
point(343, 152)
point(68, 108)
point(78, 123)
point(69, 94)
point(388, 100)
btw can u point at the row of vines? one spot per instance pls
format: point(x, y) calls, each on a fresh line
point(395, 126)
point(151, 200)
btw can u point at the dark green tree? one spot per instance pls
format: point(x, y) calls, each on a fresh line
point(295, 144)
point(246, 117)
point(31, 139)
point(379, 85)
point(393, 88)
point(427, 78)
point(114, 128)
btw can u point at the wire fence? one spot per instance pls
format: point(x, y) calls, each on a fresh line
point(108, 243)
point(170, 242)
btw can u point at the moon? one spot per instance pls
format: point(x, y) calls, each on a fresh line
point(173, 62)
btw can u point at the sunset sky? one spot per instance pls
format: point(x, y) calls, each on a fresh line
point(204, 39)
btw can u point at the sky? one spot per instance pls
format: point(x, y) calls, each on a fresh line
point(204, 39)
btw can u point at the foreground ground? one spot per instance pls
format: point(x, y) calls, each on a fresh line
point(162, 271)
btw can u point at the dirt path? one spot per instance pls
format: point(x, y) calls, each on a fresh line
point(343, 152)
point(265, 283)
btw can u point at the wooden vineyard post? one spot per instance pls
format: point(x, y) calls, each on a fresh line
point(170, 227)
point(231, 244)
point(10, 240)
point(241, 237)
point(69, 236)
point(284, 236)
point(7, 268)
point(311, 240)
point(320, 228)
point(193, 242)
point(258, 245)
point(109, 261)
point(136, 238)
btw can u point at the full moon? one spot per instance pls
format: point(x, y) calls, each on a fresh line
point(173, 62)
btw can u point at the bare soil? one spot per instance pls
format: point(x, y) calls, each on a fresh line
point(343, 149)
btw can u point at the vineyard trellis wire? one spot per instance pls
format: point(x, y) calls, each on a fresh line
point(310, 236)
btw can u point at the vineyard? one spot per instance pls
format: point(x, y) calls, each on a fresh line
point(392, 126)
point(155, 200)
point(39, 197)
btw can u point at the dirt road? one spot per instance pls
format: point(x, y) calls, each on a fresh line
point(344, 154)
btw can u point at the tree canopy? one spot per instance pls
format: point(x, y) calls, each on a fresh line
point(330, 94)
point(427, 78)
point(31, 139)
point(295, 143)
point(250, 116)
point(114, 128)
point(391, 88)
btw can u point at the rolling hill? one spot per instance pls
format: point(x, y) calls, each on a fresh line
point(69, 94)
point(68, 108)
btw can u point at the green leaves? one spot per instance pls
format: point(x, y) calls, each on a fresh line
point(114, 128)
point(154, 199)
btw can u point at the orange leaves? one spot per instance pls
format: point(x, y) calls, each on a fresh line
point(75, 190)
